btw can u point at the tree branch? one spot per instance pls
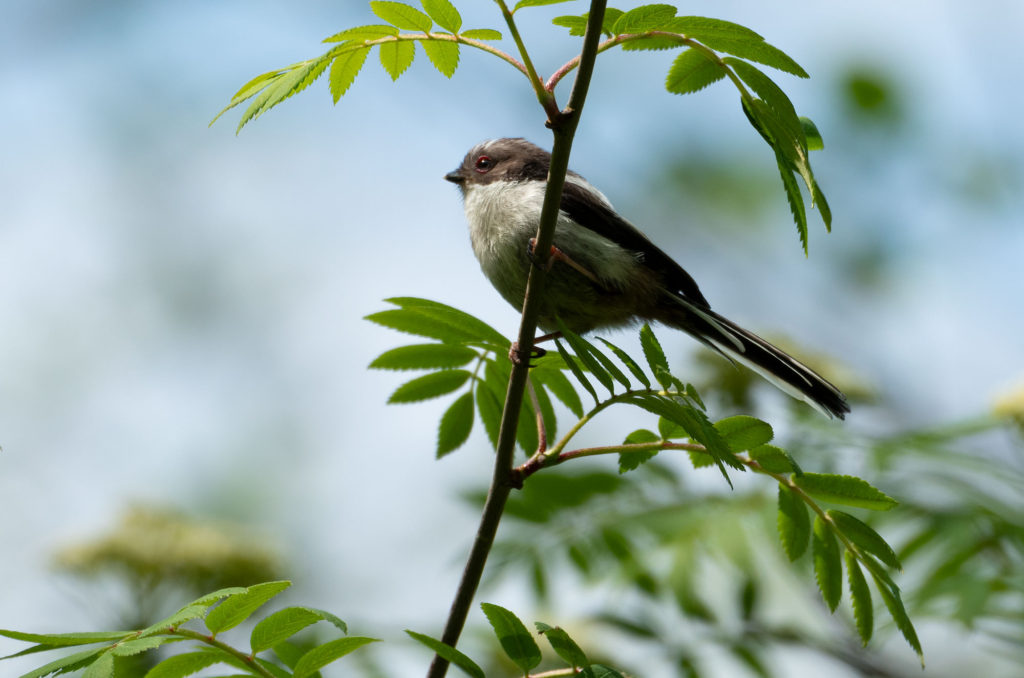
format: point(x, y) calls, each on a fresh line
point(563, 127)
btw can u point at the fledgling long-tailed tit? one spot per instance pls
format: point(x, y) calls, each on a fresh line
point(604, 271)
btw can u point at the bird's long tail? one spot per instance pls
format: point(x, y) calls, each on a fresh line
point(750, 350)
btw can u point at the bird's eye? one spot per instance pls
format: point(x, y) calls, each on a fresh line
point(483, 164)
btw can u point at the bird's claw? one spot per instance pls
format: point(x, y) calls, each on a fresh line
point(519, 356)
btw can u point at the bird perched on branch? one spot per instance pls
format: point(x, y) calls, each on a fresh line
point(603, 272)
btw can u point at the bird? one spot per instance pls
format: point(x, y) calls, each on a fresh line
point(604, 272)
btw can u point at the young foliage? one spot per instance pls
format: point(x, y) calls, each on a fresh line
point(220, 611)
point(450, 654)
point(513, 636)
point(713, 50)
point(738, 442)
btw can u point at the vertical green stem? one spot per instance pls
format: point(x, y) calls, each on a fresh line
point(563, 126)
point(546, 98)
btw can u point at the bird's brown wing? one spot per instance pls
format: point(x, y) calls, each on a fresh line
point(590, 213)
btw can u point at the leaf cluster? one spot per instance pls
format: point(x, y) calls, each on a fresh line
point(521, 649)
point(467, 356)
point(271, 652)
point(438, 29)
point(610, 376)
point(714, 49)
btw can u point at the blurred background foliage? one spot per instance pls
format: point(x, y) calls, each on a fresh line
point(180, 327)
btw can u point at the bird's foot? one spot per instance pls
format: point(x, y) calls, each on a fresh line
point(519, 356)
point(558, 255)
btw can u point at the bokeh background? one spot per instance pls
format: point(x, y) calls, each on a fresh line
point(181, 308)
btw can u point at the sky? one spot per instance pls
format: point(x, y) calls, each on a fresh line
point(181, 307)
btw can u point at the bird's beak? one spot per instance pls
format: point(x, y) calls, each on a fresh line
point(456, 177)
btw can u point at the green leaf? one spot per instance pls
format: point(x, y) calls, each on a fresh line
point(66, 639)
point(793, 523)
point(811, 133)
point(361, 33)
point(773, 96)
point(866, 538)
point(564, 646)
point(237, 608)
point(489, 407)
point(220, 594)
point(396, 57)
point(860, 598)
point(421, 323)
point(456, 425)
point(611, 15)
point(655, 356)
point(187, 613)
point(894, 604)
point(610, 366)
point(630, 364)
point(430, 386)
point(755, 50)
point(743, 432)
point(773, 459)
point(526, 429)
point(547, 410)
point(481, 34)
point(474, 328)
point(600, 671)
point(140, 645)
point(424, 357)
point(586, 354)
point(181, 665)
point(271, 667)
point(644, 18)
point(282, 625)
point(322, 655)
point(536, 3)
point(828, 567)
point(652, 43)
point(795, 199)
point(103, 667)
point(577, 25)
point(515, 639)
point(576, 371)
point(560, 386)
point(450, 654)
point(344, 69)
point(629, 461)
point(846, 490)
point(401, 15)
point(71, 662)
point(692, 71)
point(443, 54)
point(704, 28)
point(279, 88)
point(444, 14)
point(818, 200)
point(696, 424)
